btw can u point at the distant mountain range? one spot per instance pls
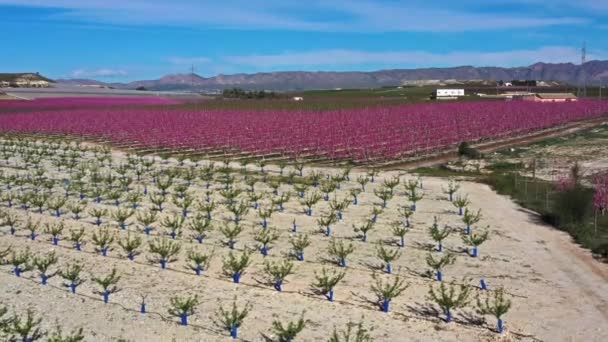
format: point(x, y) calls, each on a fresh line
point(593, 72)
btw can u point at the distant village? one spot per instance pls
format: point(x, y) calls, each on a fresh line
point(26, 80)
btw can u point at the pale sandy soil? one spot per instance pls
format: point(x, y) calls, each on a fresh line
point(559, 292)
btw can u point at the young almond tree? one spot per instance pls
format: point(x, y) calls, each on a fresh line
point(496, 305)
point(130, 245)
point(207, 208)
point(438, 235)
point(58, 335)
point(278, 271)
point(102, 239)
point(288, 332)
point(325, 222)
point(56, 204)
point(387, 291)
point(174, 224)
point(375, 212)
point(298, 243)
point(265, 215)
point(280, 201)
point(121, 216)
point(387, 256)
point(164, 251)
point(146, 219)
point(55, 230)
point(32, 226)
point(235, 266)
point(232, 319)
point(385, 194)
point(11, 221)
point(265, 238)
point(437, 264)
point(452, 188)
point(339, 251)
point(108, 284)
point(201, 227)
point(475, 240)
point(71, 274)
point(406, 213)
point(362, 180)
point(98, 214)
point(470, 218)
point(361, 334)
point(326, 282)
point(20, 261)
point(254, 198)
point(231, 233)
point(364, 228)
point(238, 210)
point(449, 299)
point(413, 193)
point(25, 329)
point(158, 199)
point(43, 263)
point(198, 261)
point(399, 230)
point(77, 238)
point(354, 193)
point(310, 200)
point(183, 307)
point(300, 189)
point(461, 202)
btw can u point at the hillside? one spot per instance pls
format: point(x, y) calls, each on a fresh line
point(593, 72)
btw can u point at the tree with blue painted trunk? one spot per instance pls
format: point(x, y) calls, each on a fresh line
point(77, 238)
point(265, 215)
point(299, 242)
point(387, 291)
point(164, 251)
point(399, 230)
point(56, 205)
point(496, 305)
point(475, 240)
point(278, 271)
point(449, 298)
point(438, 264)
point(147, 219)
point(102, 239)
point(265, 238)
point(96, 193)
point(42, 263)
point(173, 224)
point(288, 332)
point(326, 282)
point(310, 200)
point(376, 211)
point(230, 195)
point(39, 200)
point(438, 235)
point(238, 210)
point(470, 218)
point(254, 198)
point(184, 203)
point(300, 189)
point(201, 227)
point(77, 208)
point(406, 213)
point(387, 256)
point(11, 221)
point(121, 215)
point(198, 261)
point(299, 166)
point(207, 208)
point(279, 201)
point(130, 245)
point(114, 197)
point(58, 335)
point(24, 199)
point(9, 198)
point(275, 185)
point(461, 202)
point(163, 183)
point(235, 267)
point(183, 307)
point(32, 227)
point(327, 188)
point(338, 250)
point(372, 174)
point(384, 194)
point(339, 206)
point(363, 229)
point(354, 194)
point(325, 222)
point(26, 329)
point(452, 188)
point(98, 213)
point(391, 184)
point(314, 178)
point(108, 284)
point(158, 199)
point(231, 232)
point(71, 274)
point(361, 334)
point(180, 192)
point(413, 193)
point(232, 319)
point(20, 261)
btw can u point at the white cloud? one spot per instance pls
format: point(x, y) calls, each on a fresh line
point(312, 15)
point(548, 54)
point(188, 60)
point(103, 73)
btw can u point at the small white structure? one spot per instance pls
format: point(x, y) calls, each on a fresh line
point(298, 98)
point(508, 84)
point(448, 94)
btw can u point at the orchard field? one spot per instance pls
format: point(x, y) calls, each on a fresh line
point(146, 249)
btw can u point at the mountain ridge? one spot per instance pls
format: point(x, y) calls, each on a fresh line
point(593, 72)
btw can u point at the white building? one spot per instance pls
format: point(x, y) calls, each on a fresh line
point(298, 98)
point(448, 94)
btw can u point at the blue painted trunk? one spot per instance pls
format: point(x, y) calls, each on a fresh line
point(236, 278)
point(264, 224)
point(163, 264)
point(142, 308)
point(386, 305)
point(355, 201)
point(327, 231)
point(264, 251)
point(106, 297)
point(17, 271)
point(198, 270)
point(342, 262)
point(468, 230)
point(459, 211)
point(389, 269)
point(340, 215)
point(440, 247)
point(309, 212)
point(448, 317)
point(184, 319)
point(33, 236)
point(279, 285)
point(147, 230)
point(73, 287)
point(474, 252)
point(300, 256)
point(44, 279)
point(77, 246)
point(331, 295)
point(294, 228)
point(500, 326)
point(483, 284)
point(234, 332)
point(439, 276)
point(402, 242)
point(199, 239)
point(104, 252)
point(98, 222)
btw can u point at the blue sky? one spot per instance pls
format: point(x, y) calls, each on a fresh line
point(120, 40)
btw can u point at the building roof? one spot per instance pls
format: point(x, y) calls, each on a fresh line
point(555, 96)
